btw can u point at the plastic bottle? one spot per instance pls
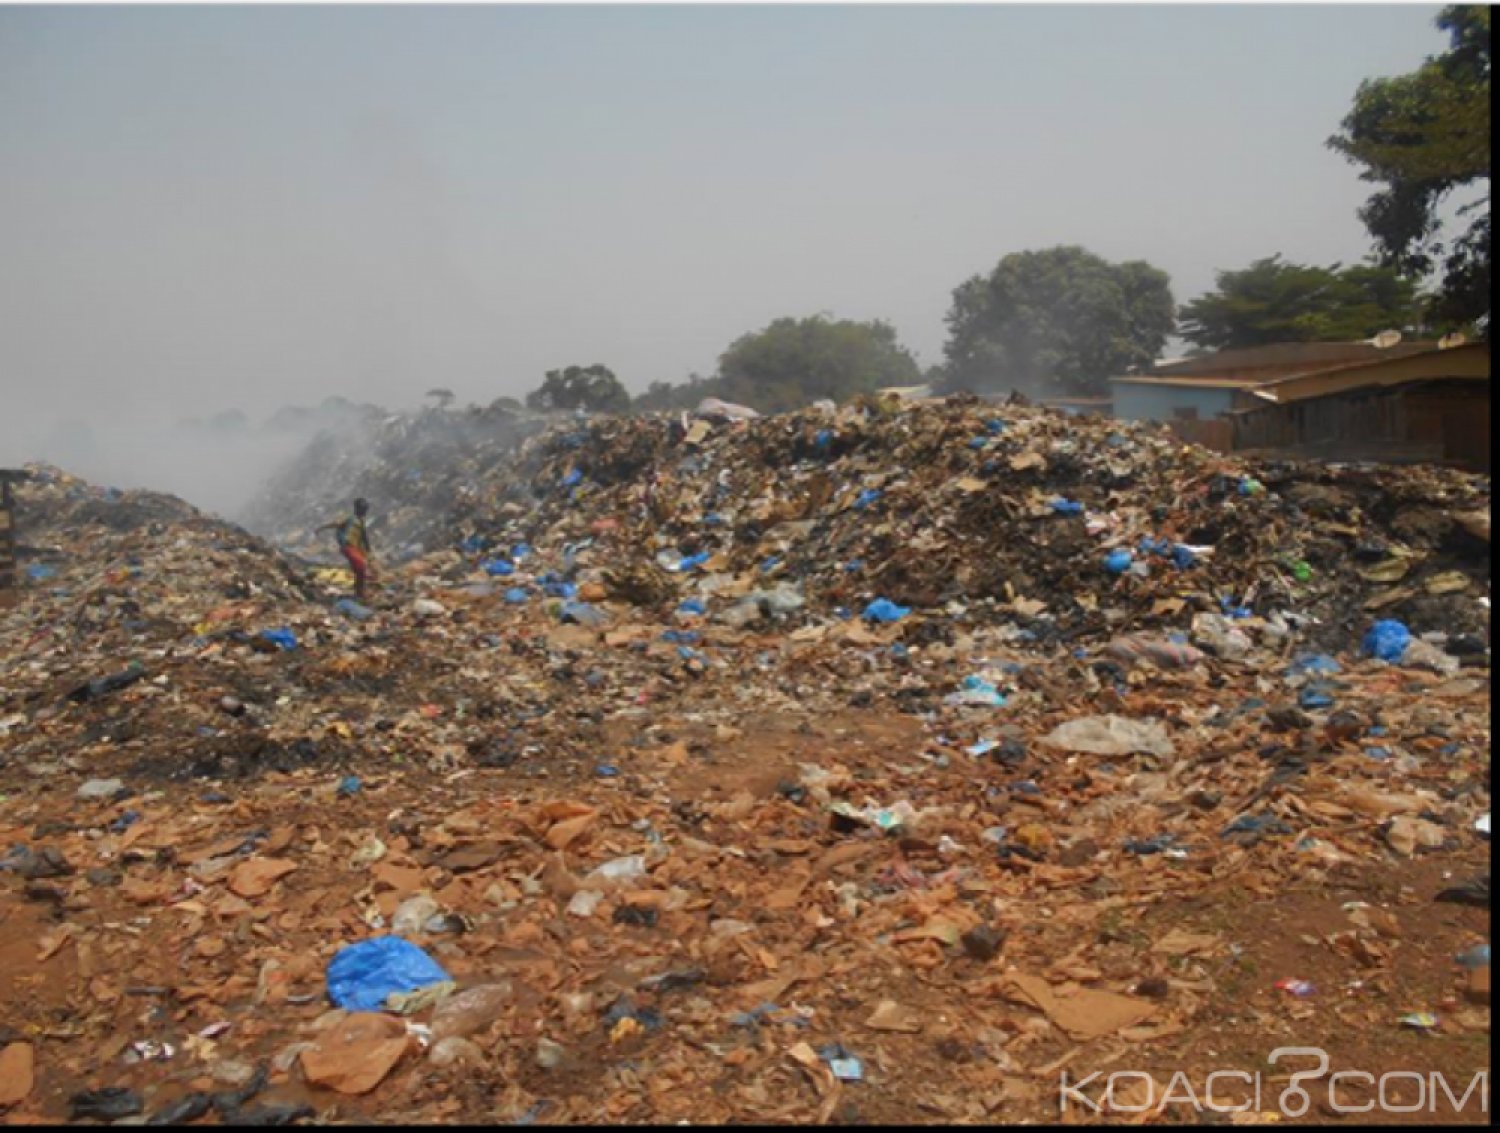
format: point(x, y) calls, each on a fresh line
point(628, 868)
point(412, 914)
point(467, 1012)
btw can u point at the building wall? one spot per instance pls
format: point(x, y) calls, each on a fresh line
point(1161, 403)
point(1445, 422)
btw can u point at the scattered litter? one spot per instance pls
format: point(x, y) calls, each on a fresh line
point(363, 976)
point(846, 1066)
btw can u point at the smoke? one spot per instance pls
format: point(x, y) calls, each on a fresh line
point(217, 465)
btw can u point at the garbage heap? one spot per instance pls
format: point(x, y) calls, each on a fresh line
point(1068, 529)
point(416, 469)
point(865, 766)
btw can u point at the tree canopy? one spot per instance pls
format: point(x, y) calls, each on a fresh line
point(1056, 321)
point(662, 395)
point(594, 388)
point(1422, 136)
point(794, 362)
point(1276, 301)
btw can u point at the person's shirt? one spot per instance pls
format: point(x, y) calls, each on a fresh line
point(351, 533)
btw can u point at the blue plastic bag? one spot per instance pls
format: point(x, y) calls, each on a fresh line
point(884, 610)
point(499, 567)
point(573, 476)
point(866, 498)
point(516, 595)
point(1183, 556)
point(692, 606)
point(361, 977)
point(352, 609)
point(282, 638)
point(1150, 546)
point(976, 690)
point(1231, 610)
point(1387, 640)
point(1117, 561)
point(1067, 507)
point(1315, 696)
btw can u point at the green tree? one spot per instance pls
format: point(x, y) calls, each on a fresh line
point(1275, 301)
point(657, 396)
point(664, 395)
point(793, 362)
point(594, 388)
point(1059, 320)
point(1422, 136)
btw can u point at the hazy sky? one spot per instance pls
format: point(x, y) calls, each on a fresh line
point(207, 207)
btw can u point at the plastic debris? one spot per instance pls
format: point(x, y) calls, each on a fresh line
point(282, 638)
point(1386, 640)
point(977, 690)
point(845, 1065)
point(884, 610)
point(1111, 735)
point(100, 789)
point(352, 609)
point(363, 976)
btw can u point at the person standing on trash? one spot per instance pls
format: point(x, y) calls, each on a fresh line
point(354, 544)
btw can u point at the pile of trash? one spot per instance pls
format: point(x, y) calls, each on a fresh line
point(1068, 529)
point(418, 470)
point(865, 764)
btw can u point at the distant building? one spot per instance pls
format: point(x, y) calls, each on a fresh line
point(1431, 406)
point(1196, 395)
